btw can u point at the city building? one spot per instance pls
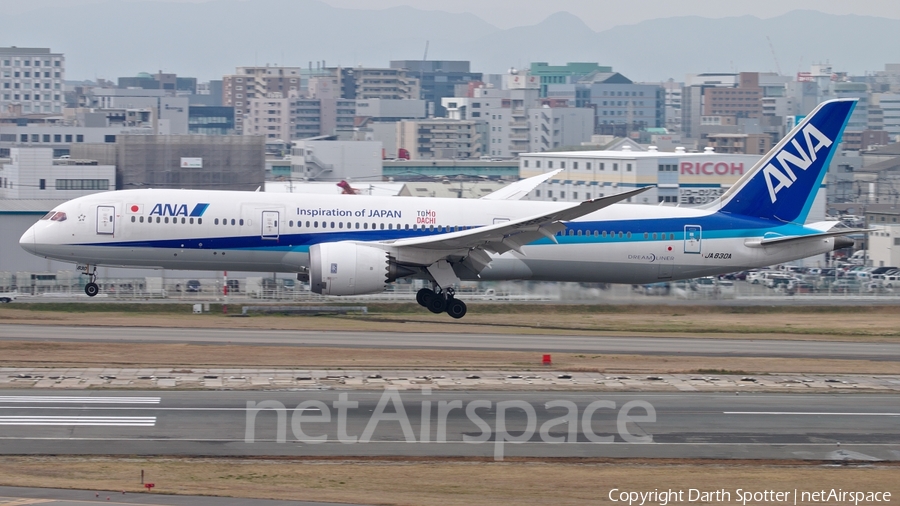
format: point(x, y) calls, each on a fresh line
point(81, 127)
point(437, 79)
point(170, 114)
point(170, 83)
point(557, 127)
point(203, 162)
point(747, 144)
point(439, 138)
point(33, 173)
point(257, 82)
point(569, 73)
point(679, 178)
point(328, 160)
point(365, 83)
point(31, 81)
point(210, 120)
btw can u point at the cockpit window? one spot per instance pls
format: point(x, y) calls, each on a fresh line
point(58, 216)
point(48, 215)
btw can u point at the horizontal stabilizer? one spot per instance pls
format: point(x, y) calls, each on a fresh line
point(770, 241)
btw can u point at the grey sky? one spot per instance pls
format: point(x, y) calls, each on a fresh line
point(598, 14)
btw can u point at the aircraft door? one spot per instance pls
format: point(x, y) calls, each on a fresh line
point(269, 224)
point(692, 237)
point(106, 220)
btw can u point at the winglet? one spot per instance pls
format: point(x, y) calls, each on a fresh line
point(519, 189)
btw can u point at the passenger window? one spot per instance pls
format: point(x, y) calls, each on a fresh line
point(157, 219)
point(340, 224)
point(183, 221)
point(232, 221)
point(167, 219)
point(242, 223)
point(132, 219)
point(192, 221)
point(307, 224)
point(365, 225)
point(199, 221)
point(628, 235)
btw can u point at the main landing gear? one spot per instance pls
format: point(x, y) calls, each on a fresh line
point(441, 301)
point(92, 288)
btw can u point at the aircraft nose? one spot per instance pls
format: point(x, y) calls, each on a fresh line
point(27, 241)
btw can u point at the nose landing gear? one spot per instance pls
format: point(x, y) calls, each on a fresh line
point(441, 301)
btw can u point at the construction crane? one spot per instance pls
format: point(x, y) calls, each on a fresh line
point(772, 48)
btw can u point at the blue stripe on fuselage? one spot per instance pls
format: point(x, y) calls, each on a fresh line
point(714, 226)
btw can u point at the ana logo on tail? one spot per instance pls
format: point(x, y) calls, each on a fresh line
point(776, 179)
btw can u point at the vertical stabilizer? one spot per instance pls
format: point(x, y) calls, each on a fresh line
point(784, 183)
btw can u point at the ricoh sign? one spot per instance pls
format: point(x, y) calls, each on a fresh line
point(705, 168)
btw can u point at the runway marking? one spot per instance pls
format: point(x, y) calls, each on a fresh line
point(81, 421)
point(257, 440)
point(46, 399)
point(100, 408)
point(805, 413)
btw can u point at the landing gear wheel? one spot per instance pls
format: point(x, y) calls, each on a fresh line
point(91, 289)
point(424, 295)
point(437, 304)
point(456, 308)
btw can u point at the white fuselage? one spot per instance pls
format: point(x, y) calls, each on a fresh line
point(220, 230)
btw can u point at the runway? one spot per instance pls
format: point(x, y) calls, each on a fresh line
point(21, 496)
point(711, 347)
point(857, 427)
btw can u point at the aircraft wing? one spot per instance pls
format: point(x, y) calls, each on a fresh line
point(498, 238)
point(519, 189)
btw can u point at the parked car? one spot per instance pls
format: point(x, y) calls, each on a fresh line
point(891, 281)
point(193, 285)
point(845, 285)
point(780, 281)
point(7, 297)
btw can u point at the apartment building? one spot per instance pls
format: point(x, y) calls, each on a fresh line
point(439, 138)
point(257, 82)
point(31, 81)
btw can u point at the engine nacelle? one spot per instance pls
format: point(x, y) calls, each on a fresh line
point(348, 268)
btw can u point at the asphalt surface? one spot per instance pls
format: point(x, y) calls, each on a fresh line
point(485, 424)
point(20, 496)
point(711, 347)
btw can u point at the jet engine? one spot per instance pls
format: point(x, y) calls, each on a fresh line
point(350, 268)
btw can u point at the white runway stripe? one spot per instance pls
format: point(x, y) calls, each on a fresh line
point(83, 421)
point(799, 413)
point(48, 399)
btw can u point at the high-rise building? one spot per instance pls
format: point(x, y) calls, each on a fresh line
point(563, 74)
point(257, 82)
point(31, 81)
point(437, 79)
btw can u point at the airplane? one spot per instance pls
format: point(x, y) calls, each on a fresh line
point(358, 245)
